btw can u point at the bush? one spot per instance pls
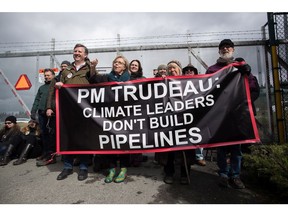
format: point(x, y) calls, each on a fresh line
point(269, 163)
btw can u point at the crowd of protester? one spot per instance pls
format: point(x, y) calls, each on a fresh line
point(37, 140)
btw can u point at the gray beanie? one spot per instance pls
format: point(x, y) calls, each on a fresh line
point(66, 62)
point(176, 62)
point(162, 66)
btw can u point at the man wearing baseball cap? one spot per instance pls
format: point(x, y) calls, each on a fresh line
point(230, 173)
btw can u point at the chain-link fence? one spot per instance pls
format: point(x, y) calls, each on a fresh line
point(281, 34)
point(277, 73)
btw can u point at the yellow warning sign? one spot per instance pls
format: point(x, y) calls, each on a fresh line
point(23, 83)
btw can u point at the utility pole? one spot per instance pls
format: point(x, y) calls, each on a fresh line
point(259, 67)
point(118, 46)
point(52, 53)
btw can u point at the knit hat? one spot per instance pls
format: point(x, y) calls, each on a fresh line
point(66, 62)
point(161, 67)
point(226, 42)
point(175, 62)
point(11, 119)
point(189, 67)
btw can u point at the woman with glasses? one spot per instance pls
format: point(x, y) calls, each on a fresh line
point(120, 67)
point(119, 73)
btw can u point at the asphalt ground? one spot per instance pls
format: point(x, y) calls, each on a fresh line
point(29, 184)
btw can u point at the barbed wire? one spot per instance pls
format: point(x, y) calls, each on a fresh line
point(194, 37)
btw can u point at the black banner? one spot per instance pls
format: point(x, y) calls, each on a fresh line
point(156, 114)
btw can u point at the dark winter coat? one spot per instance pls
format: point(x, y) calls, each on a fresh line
point(69, 76)
point(7, 134)
point(51, 96)
point(136, 76)
point(6, 137)
point(98, 78)
point(41, 98)
point(253, 82)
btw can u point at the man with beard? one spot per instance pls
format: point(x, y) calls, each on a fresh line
point(230, 172)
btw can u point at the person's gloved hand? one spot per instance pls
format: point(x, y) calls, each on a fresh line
point(245, 68)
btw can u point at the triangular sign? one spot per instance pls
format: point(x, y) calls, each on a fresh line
point(23, 83)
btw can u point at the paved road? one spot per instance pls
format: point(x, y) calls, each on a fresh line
point(28, 184)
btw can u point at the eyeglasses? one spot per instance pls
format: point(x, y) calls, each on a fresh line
point(8, 123)
point(119, 62)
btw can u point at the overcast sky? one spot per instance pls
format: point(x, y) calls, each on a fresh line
point(27, 27)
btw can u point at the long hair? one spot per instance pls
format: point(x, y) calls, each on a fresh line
point(140, 69)
point(26, 130)
point(139, 73)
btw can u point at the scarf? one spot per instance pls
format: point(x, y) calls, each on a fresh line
point(125, 76)
point(222, 61)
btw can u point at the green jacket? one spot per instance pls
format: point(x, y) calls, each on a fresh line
point(68, 76)
point(71, 76)
point(41, 98)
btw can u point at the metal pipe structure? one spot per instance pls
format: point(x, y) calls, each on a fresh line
point(276, 80)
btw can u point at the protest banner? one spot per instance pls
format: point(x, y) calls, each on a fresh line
point(156, 114)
